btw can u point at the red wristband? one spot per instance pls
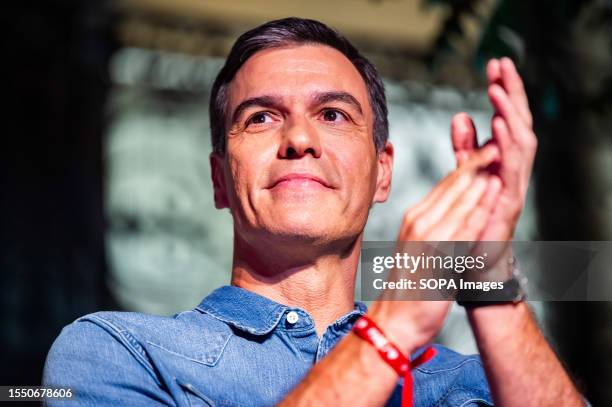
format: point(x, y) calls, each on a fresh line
point(367, 330)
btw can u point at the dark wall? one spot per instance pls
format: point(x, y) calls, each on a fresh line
point(54, 58)
point(568, 72)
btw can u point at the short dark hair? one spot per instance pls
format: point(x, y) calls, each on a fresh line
point(286, 32)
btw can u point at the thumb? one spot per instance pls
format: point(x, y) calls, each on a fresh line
point(482, 157)
point(463, 136)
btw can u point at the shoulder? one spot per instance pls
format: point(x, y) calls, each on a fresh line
point(453, 379)
point(132, 325)
point(116, 356)
point(96, 341)
point(134, 331)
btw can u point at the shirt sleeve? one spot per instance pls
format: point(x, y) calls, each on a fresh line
point(100, 370)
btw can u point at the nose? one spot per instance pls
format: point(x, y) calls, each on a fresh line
point(299, 140)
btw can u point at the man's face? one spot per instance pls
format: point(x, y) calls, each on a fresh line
point(300, 158)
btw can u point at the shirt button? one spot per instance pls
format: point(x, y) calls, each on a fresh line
point(292, 317)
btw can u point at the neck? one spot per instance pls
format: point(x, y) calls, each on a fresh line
point(321, 283)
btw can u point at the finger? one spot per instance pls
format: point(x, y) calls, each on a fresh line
point(463, 136)
point(454, 217)
point(512, 159)
point(494, 188)
point(494, 166)
point(502, 137)
point(420, 219)
point(482, 157)
point(503, 106)
point(517, 143)
point(494, 72)
point(423, 217)
point(513, 84)
point(479, 158)
point(476, 221)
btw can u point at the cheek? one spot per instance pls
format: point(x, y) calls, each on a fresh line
point(248, 165)
point(358, 164)
point(232, 176)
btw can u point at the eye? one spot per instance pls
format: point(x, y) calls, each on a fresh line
point(259, 118)
point(333, 115)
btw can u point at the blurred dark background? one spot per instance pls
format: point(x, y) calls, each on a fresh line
point(104, 186)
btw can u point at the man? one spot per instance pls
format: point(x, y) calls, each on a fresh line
point(300, 154)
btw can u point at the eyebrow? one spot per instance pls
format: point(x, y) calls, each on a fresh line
point(267, 101)
point(275, 102)
point(344, 97)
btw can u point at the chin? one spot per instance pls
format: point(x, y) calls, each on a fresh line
point(304, 225)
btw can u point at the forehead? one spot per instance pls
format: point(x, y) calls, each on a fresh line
point(294, 72)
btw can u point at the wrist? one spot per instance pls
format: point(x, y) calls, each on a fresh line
point(396, 327)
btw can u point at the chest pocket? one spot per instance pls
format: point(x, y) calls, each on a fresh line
point(194, 397)
point(187, 365)
point(203, 349)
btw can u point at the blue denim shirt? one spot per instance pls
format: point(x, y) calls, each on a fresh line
point(236, 348)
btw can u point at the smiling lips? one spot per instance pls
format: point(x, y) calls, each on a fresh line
point(300, 180)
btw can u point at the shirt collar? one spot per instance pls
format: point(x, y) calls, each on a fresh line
point(253, 313)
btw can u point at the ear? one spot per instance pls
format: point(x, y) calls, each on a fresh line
point(218, 180)
point(385, 167)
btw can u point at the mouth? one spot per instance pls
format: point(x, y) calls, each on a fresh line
point(299, 180)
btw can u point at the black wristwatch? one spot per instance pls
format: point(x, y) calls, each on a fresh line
point(513, 291)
